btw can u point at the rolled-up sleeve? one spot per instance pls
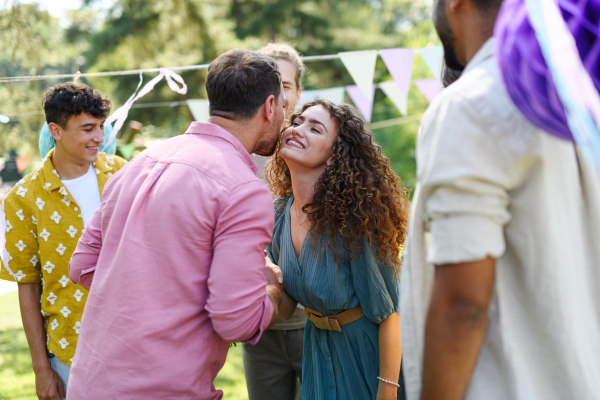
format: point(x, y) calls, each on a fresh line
point(238, 305)
point(466, 177)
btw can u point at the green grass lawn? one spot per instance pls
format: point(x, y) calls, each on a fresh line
point(18, 382)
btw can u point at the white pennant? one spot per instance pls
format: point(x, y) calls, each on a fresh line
point(393, 92)
point(334, 95)
point(433, 57)
point(361, 66)
point(199, 109)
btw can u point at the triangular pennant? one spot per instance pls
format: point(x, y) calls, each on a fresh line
point(199, 109)
point(400, 64)
point(361, 66)
point(429, 87)
point(334, 95)
point(433, 57)
point(364, 104)
point(394, 93)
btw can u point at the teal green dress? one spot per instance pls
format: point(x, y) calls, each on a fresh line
point(336, 365)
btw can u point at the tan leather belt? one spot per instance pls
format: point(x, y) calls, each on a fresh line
point(333, 322)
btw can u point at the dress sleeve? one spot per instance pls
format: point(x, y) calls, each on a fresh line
point(374, 284)
point(22, 245)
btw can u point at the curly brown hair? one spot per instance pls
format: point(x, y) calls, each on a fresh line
point(358, 195)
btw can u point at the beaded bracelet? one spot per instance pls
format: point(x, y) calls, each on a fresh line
point(386, 381)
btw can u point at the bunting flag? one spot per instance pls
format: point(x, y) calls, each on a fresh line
point(4, 119)
point(400, 64)
point(334, 95)
point(395, 94)
point(433, 57)
point(361, 66)
point(199, 109)
point(362, 102)
point(429, 87)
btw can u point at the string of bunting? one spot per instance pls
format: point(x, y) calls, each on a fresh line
point(360, 66)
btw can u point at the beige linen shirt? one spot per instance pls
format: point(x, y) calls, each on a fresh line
point(492, 184)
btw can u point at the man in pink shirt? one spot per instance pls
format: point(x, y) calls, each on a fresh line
point(176, 249)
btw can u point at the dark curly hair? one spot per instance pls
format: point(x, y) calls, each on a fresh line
point(63, 101)
point(358, 195)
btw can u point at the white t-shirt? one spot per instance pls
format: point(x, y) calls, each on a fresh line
point(86, 192)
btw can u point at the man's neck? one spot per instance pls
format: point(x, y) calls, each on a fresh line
point(477, 29)
point(242, 131)
point(67, 168)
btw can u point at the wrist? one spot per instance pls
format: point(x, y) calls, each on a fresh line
point(275, 293)
point(41, 365)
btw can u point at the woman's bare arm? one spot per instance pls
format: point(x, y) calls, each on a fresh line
point(288, 306)
point(390, 356)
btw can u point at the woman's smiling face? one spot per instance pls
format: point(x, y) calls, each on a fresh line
point(308, 142)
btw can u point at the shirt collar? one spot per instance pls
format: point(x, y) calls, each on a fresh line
point(199, 128)
point(50, 179)
point(486, 51)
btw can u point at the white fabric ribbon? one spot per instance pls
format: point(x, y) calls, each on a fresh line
point(4, 254)
point(120, 115)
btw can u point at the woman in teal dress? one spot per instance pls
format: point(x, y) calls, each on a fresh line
point(340, 223)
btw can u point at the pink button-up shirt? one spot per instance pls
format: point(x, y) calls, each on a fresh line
point(175, 252)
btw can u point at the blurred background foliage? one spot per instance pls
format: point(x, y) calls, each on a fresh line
point(133, 34)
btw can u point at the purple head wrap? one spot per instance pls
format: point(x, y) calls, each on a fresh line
point(524, 70)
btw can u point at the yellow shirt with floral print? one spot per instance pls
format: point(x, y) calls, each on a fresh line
point(43, 225)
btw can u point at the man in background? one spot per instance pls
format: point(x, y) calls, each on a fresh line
point(273, 366)
point(176, 250)
point(45, 215)
point(500, 280)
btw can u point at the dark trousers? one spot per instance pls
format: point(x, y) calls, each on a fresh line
point(273, 366)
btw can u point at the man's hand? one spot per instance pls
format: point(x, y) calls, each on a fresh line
point(274, 286)
point(48, 385)
point(273, 273)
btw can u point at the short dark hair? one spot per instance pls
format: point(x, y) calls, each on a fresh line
point(239, 81)
point(63, 101)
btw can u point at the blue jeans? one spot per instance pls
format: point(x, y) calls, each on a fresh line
point(61, 369)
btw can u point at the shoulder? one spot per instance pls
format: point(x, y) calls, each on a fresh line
point(476, 109)
point(479, 97)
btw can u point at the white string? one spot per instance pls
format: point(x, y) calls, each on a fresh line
point(137, 71)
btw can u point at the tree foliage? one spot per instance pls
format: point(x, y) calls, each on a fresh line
point(151, 33)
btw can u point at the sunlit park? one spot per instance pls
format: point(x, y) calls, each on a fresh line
point(55, 37)
point(299, 199)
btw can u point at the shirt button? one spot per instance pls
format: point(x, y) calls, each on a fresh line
point(76, 209)
point(331, 386)
point(326, 355)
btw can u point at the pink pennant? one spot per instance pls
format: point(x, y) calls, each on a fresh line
point(400, 64)
point(429, 87)
point(364, 105)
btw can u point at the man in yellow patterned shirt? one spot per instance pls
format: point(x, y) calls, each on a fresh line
point(45, 214)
